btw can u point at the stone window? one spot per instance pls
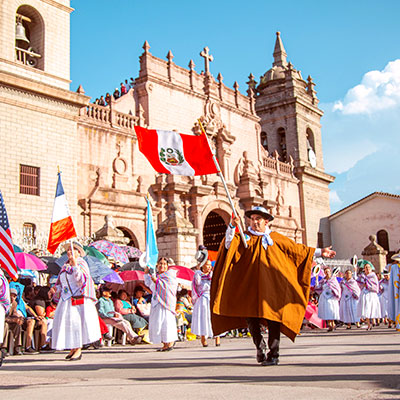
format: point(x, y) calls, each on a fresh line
point(264, 140)
point(29, 37)
point(383, 239)
point(29, 180)
point(310, 140)
point(29, 231)
point(282, 144)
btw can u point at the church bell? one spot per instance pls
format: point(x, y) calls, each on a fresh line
point(20, 32)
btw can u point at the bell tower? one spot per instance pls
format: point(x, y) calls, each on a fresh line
point(35, 40)
point(38, 112)
point(290, 123)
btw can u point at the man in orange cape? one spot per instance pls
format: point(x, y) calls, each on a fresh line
point(267, 283)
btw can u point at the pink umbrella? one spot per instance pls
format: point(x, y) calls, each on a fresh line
point(184, 275)
point(29, 261)
point(183, 272)
point(130, 280)
point(127, 276)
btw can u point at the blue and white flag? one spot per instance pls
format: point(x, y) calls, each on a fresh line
point(151, 241)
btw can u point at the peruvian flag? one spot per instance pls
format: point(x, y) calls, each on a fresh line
point(175, 153)
point(62, 227)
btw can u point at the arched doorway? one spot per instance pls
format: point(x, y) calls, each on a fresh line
point(213, 231)
point(128, 234)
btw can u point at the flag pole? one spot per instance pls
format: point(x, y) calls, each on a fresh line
point(224, 183)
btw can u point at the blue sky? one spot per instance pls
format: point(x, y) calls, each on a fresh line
point(350, 49)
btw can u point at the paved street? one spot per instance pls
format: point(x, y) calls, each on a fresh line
point(342, 365)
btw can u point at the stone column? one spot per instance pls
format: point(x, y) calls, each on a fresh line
point(376, 254)
point(176, 238)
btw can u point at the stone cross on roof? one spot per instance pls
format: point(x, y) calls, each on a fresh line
point(207, 58)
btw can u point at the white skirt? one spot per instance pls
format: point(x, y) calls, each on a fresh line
point(384, 302)
point(162, 325)
point(369, 306)
point(328, 308)
point(2, 319)
point(348, 310)
point(75, 326)
point(201, 318)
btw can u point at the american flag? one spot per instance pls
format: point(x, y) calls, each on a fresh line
point(7, 256)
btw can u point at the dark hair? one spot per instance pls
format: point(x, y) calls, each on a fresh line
point(163, 258)
point(183, 292)
point(120, 291)
point(28, 291)
point(105, 289)
point(137, 289)
point(43, 293)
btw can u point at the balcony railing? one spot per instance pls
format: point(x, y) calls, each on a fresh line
point(27, 57)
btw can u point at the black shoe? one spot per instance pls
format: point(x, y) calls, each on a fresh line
point(107, 336)
point(47, 349)
point(86, 346)
point(75, 358)
point(261, 356)
point(4, 353)
point(18, 351)
point(96, 345)
point(30, 350)
point(270, 361)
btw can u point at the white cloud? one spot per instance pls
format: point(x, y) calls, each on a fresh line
point(378, 90)
point(334, 199)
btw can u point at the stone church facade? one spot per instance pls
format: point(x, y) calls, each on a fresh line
point(268, 142)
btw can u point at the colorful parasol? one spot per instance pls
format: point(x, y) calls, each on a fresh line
point(111, 250)
point(132, 252)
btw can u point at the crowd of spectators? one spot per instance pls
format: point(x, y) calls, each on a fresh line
point(123, 89)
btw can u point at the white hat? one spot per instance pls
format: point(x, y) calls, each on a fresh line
point(396, 257)
point(260, 211)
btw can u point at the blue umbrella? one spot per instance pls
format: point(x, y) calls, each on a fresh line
point(98, 270)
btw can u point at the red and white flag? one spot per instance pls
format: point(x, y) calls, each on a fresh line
point(62, 227)
point(175, 153)
point(7, 256)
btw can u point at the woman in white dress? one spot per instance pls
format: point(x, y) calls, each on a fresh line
point(76, 321)
point(5, 303)
point(162, 321)
point(349, 300)
point(201, 317)
point(384, 296)
point(328, 306)
point(369, 307)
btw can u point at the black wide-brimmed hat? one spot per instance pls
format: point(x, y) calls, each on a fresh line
point(259, 210)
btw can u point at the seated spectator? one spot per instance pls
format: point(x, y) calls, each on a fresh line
point(184, 304)
point(128, 311)
point(13, 324)
point(141, 304)
point(36, 312)
point(27, 324)
point(123, 89)
point(102, 102)
point(116, 94)
point(107, 313)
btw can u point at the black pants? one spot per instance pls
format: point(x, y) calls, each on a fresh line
point(274, 334)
